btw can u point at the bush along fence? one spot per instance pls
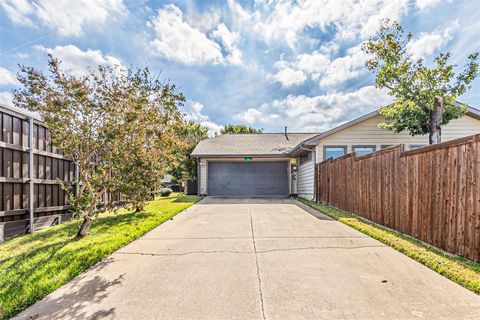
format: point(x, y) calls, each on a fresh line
point(431, 193)
point(29, 169)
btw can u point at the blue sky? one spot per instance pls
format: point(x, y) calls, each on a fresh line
point(266, 64)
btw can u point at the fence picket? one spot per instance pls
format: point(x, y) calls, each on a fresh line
point(430, 193)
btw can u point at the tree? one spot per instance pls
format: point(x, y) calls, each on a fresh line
point(191, 133)
point(146, 149)
point(103, 122)
point(425, 97)
point(239, 128)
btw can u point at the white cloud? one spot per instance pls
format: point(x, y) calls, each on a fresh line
point(424, 4)
point(344, 68)
point(67, 18)
point(365, 20)
point(18, 11)
point(315, 63)
point(427, 43)
point(286, 20)
point(194, 113)
point(204, 21)
point(229, 40)
point(6, 98)
point(310, 114)
point(239, 17)
point(78, 62)
point(178, 40)
point(258, 116)
point(320, 68)
point(289, 77)
point(7, 77)
point(250, 116)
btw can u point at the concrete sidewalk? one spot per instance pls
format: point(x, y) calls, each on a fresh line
point(257, 259)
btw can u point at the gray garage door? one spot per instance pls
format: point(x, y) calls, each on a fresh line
point(247, 179)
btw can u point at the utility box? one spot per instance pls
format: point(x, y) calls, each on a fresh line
point(191, 187)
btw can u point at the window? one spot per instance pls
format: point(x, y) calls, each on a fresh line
point(332, 152)
point(305, 158)
point(361, 150)
point(386, 145)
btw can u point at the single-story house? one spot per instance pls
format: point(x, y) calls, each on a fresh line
point(282, 164)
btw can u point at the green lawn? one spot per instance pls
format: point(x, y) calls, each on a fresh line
point(460, 270)
point(32, 266)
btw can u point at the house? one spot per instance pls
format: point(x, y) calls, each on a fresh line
point(282, 164)
point(249, 164)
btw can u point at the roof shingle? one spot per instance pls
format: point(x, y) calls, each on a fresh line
point(262, 144)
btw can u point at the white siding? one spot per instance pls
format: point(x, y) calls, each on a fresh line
point(368, 133)
point(203, 177)
point(306, 178)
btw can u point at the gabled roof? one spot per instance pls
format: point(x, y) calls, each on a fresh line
point(260, 145)
point(471, 111)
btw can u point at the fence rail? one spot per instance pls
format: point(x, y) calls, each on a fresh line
point(29, 169)
point(430, 193)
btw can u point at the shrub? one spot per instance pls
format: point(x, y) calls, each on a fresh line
point(165, 192)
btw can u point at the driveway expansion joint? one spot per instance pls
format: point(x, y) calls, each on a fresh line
point(247, 252)
point(256, 263)
point(267, 237)
point(180, 254)
point(320, 248)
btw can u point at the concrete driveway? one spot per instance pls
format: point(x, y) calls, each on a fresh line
point(257, 259)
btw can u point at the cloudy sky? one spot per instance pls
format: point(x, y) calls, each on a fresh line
point(263, 63)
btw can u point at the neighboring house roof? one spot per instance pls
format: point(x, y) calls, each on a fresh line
point(261, 144)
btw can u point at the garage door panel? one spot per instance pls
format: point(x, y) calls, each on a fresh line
point(248, 179)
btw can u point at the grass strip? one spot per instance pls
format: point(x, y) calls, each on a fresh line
point(34, 265)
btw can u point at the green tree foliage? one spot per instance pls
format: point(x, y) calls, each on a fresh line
point(191, 133)
point(239, 128)
point(425, 97)
point(146, 148)
point(117, 126)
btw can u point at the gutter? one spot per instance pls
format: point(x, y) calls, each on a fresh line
point(285, 155)
point(303, 148)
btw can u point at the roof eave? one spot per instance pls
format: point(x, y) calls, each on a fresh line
point(474, 113)
point(314, 140)
point(286, 155)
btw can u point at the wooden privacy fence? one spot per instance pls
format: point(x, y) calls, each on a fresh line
point(30, 194)
point(431, 193)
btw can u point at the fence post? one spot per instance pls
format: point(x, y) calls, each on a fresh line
point(30, 174)
point(77, 176)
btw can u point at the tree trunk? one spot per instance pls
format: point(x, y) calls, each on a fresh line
point(87, 221)
point(435, 121)
point(139, 207)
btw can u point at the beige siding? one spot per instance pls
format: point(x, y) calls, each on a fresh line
point(306, 177)
point(368, 133)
